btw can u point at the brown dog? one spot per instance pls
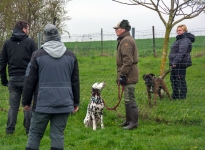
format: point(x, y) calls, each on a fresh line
point(154, 85)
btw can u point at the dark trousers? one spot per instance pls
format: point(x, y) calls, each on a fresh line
point(15, 91)
point(38, 126)
point(178, 83)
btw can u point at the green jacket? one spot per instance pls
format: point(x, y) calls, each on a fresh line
point(127, 58)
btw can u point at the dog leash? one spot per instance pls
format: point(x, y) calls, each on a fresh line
point(119, 97)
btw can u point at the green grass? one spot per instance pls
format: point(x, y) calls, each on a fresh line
point(171, 125)
point(145, 46)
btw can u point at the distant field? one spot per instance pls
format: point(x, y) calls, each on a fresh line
point(145, 46)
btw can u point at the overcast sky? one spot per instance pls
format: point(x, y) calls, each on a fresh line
point(89, 16)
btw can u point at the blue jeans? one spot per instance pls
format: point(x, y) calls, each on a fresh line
point(15, 87)
point(38, 126)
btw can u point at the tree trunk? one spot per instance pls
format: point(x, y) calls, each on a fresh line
point(165, 49)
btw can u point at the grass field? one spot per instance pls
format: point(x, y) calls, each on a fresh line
point(171, 125)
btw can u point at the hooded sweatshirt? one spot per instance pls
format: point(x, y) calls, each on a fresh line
point(16, 52)
point(53, 76)
point(54, 48)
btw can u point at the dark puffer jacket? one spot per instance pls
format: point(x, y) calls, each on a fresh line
point(181, 49)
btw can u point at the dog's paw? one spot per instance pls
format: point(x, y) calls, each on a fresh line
point(94, 129)
point(86, 123)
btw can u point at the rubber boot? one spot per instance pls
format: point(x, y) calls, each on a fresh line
point(127, 121)
point(133, 113)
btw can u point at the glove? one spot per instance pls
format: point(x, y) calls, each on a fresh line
point(122, 80)
point(4, 81)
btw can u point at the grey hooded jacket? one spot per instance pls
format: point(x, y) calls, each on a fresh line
point(53, 76)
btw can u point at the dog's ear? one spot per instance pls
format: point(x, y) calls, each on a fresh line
point(152, 74)
point(144, 76)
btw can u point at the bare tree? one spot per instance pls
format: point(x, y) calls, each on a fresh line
point(37, 12)
point(176, 10)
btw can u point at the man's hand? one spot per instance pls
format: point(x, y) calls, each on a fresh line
point(75, 109)
point(122, 80)
point(27, 107)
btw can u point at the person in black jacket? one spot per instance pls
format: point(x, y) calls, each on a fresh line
point(16, 53)
point(53, 77)
point(179, 60)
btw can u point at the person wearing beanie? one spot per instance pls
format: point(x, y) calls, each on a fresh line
point(127, 71)
point(53, 76)
point(16, 53)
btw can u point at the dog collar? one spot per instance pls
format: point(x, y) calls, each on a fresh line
point(96, 100)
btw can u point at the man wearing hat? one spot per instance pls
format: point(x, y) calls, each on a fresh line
point(53, 76)
point(127, 71)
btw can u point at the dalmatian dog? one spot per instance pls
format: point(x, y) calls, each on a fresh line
point(94, 115)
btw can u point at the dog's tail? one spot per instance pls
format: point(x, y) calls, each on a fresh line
point(163, 75)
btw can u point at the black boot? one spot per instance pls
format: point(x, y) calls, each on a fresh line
point(127, 121)
point(133, 113)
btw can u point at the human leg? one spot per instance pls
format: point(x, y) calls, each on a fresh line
point(57, 126)
point(174, 83)
point(131, 106)
point(39, 122)
point(14, 102)
point(127, 116)
point(126, 100)
point(27, 119)
point(182, 83)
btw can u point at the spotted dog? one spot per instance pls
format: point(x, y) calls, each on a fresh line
point(155, 85)
point(94, 114)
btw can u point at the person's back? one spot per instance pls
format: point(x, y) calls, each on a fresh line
point(19, 49)
point(53, 76)
point(16, 53)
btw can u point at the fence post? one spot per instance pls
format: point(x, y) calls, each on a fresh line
point(39, 40)
point(102, 39)
point(133, 33)
point(154, 46)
